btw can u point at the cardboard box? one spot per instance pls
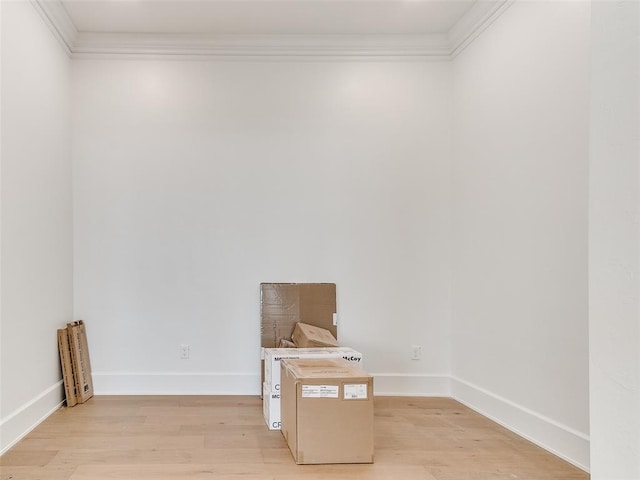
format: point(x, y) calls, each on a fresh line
point(67, 367)
point(309, 336)
point(327, 411)
point(80, 360)
point(271, 384)
point(282, 305)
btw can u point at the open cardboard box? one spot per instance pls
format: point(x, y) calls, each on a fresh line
point(282, 305)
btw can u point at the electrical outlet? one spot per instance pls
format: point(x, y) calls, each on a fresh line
point(416, 352)
point(184, 351)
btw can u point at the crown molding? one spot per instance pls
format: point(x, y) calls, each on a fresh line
point(142, 45)
point(479, 17)
point(90, 44)
point(57, 19)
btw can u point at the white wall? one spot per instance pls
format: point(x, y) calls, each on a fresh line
point(519, 249)
point(614, 241)
point(36, 250)
point(194, 181)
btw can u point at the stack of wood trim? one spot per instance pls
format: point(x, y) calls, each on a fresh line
point(76, 366)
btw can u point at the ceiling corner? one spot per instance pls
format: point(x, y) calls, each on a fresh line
point(474, 22)
point(57, 19)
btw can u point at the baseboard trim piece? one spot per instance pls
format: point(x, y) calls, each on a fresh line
point(21, 421)
point(175, 383)
point(561, 440)
point(209, 383)
point(411, 385)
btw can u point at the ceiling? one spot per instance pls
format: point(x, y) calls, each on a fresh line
point(292, 28)
point(267, 17)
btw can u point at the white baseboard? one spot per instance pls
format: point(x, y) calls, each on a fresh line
point(21, 421)
point(209, 383)
point(408, 385)
point(175, 383)
point(559, 439)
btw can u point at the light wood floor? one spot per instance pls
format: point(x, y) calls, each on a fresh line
point(158, 438)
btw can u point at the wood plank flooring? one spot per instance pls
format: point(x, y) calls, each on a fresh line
point(214, 437)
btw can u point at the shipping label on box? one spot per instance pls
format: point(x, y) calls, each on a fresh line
point(356, 391)
point(320, 391)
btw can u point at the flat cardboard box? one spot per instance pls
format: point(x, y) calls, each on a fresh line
point(309, 336)
point(67, 367)
point(327, 411)
point(80, 359)
point(282, 305)
point(271, 384)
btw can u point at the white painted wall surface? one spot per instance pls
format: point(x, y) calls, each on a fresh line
point(614, 256)
point(36, 211)
point(519, 249)
point(194, 181)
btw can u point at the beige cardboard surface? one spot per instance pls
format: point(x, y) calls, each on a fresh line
point(308, 336)
point(67, 367)
point(80, 358)
point(327, 411)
